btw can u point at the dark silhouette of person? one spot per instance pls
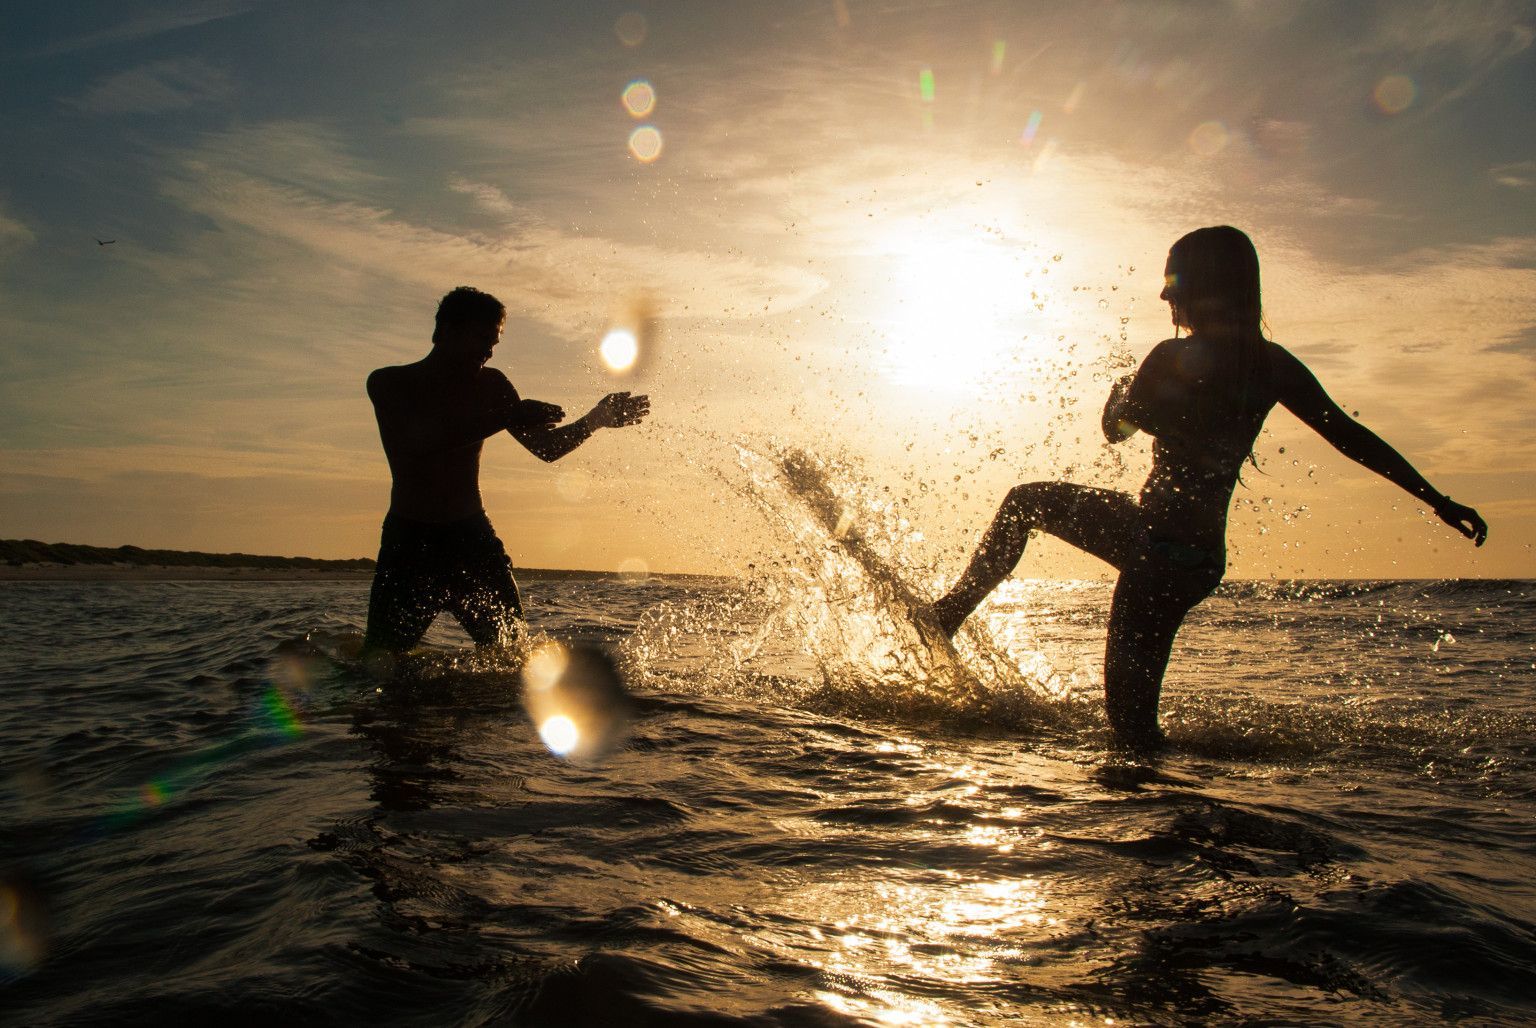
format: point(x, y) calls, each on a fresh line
point(438, 550)
point(1203, 399)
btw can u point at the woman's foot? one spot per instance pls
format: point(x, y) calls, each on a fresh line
point(938, 616)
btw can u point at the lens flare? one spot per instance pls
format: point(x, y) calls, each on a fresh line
point(559, 734)
point(1070, 104)
point(634, 568)
point(999, 51)
point(645, 143)
point(544, 667)
point(629, 343)
point(25, 925)
point(1394, 94)
point(619, 349)
point(280, 713)
point(1031, 127)
point(631, 28)
point(577, 700)
point(573, 484)
point(1208, 138)
point(639, 98)
point(925, 85)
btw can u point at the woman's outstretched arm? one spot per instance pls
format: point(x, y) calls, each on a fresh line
point(1304, 396)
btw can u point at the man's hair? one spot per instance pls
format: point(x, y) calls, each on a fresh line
point(468, 305)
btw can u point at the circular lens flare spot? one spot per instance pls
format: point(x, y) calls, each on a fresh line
point(559, 734)
point(1394, 94)
point(639, 98)
point(619, 349)
point(1208, 138)
point(645, 143)
point(631, 28)
point(545, 666)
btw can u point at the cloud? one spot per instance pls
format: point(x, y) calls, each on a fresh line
point(13, 235)
point(1516, 175)
point(567, 282)
point(146, 24)
point(1477, 31)
point(491, 199)
point(162, 86)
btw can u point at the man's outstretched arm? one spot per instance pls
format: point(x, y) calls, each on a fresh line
point(615, 410)
point(407, 430)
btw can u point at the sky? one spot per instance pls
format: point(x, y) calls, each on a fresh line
point(918, 237)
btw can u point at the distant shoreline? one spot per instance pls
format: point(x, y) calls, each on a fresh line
point(178, 573)
point(196, 573)
point(28, 560)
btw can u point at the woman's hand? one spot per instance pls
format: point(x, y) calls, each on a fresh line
point(1116, 428)
point(1462, 518)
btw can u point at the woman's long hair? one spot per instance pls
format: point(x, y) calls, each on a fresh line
point(1214, 283)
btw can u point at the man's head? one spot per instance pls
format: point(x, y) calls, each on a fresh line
point(469, 323)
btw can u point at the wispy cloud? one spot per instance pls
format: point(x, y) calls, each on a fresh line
point(1516, 175)
point(162, 86)
point(13, 235)
point(148, 23)
point(566, 281)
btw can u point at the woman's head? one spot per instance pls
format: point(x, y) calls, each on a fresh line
point(1212, 283)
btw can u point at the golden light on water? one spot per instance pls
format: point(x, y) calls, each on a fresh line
point(645, 143)
point(619, 349)
point(639, 98)
point(940, 926)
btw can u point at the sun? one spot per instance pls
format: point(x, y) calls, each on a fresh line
point(957, 310)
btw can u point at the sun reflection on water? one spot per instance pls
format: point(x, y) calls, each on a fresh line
point(948, 928)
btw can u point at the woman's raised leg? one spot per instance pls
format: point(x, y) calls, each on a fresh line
point(1098, 521)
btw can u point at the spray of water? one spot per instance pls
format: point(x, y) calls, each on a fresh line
point(836, 622)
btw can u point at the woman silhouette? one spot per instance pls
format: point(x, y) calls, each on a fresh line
point(1203, 398)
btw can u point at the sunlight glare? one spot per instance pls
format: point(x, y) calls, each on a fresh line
point(947, 313)
point(619, 349)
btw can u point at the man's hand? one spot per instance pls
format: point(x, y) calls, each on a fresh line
point(1464, 519)
point(619, 409)
point(536, 414)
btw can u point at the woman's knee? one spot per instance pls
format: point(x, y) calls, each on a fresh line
point(1025, 501)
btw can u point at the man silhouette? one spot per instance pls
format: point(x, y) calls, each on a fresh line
point(438, 550)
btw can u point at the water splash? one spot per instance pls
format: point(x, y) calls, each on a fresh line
point(835, 622)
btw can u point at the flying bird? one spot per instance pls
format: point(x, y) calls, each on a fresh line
point(104, 242)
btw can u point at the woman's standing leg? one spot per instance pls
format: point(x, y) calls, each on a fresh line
point(1150, 603)
point(1098, 521)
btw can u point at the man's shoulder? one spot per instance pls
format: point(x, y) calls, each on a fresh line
point(490, 374)
point(390, 385)
point(393, 374)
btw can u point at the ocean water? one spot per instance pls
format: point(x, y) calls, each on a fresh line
point(211, 815)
